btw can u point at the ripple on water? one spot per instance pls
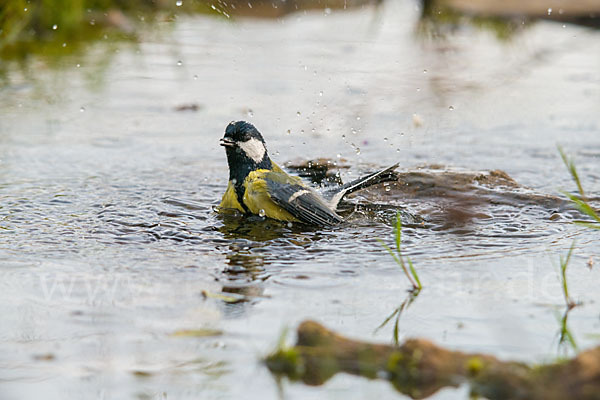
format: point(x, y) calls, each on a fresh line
point(445, 214)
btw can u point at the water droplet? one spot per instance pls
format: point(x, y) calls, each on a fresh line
point(549, 11)
point(179, 63)
point(54, 27)
point(418, 89)
point(358, 117)
point(564, 26)
point(357, 151)
point(289, 224)
point(451, 108)
point(82, 109)
point(179, 3)
point(25, 9)
point(424, 71)
point(289, 131)
point(339, 155)
point(195, 77)
point(321, 93)
point(233, 181)
point(387, 188)
point(385, 139)
point(250, 112)
point(261, 212)
point(64, 45)
point(78, 65)
point(298, 113)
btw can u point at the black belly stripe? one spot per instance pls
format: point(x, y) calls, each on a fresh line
point(239, 193)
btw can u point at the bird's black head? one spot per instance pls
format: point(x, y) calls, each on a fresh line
point(246, 150)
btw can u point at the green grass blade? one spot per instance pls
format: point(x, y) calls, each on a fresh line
point(384, 323)
point(587, 224)
point(396, 331)
point(567, 335)
point(583, 206)
point(413, 271)
point(564, 263)
point(389, 251)
point(572, 170)
point(398, 231)
point(412, 275)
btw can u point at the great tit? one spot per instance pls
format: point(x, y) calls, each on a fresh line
point(258, 186)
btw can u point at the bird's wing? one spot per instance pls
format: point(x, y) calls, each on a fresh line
point(299, 200)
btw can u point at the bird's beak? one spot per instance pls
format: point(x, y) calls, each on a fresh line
point(227, 142)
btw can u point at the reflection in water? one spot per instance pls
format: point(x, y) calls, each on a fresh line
point(397, 313)
point(566, 340)
point(255, 228)
point(440, 18)
point(243, 267)
point(54, 32)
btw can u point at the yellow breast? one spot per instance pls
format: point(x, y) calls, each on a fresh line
point(230, 200)
point(258, 200)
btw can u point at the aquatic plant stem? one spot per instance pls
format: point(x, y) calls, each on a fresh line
point(400, 262)
point(581, 202)
point(564, 263)
point(412, 276)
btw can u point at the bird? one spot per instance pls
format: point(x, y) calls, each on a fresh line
point(257, 185)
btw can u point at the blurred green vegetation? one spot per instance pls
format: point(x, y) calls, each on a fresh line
point(439, 19)
point(56, 27)
point(53, 28)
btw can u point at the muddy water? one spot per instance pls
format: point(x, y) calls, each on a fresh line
point(108, 236)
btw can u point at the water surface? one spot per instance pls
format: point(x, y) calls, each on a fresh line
point(108, 235)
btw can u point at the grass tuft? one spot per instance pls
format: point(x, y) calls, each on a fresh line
point(409, 271)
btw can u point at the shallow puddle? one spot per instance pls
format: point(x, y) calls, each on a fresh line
point(110, 246)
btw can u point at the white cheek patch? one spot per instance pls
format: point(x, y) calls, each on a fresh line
point(254, 148)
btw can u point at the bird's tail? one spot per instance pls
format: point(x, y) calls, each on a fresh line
point(336, 195)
